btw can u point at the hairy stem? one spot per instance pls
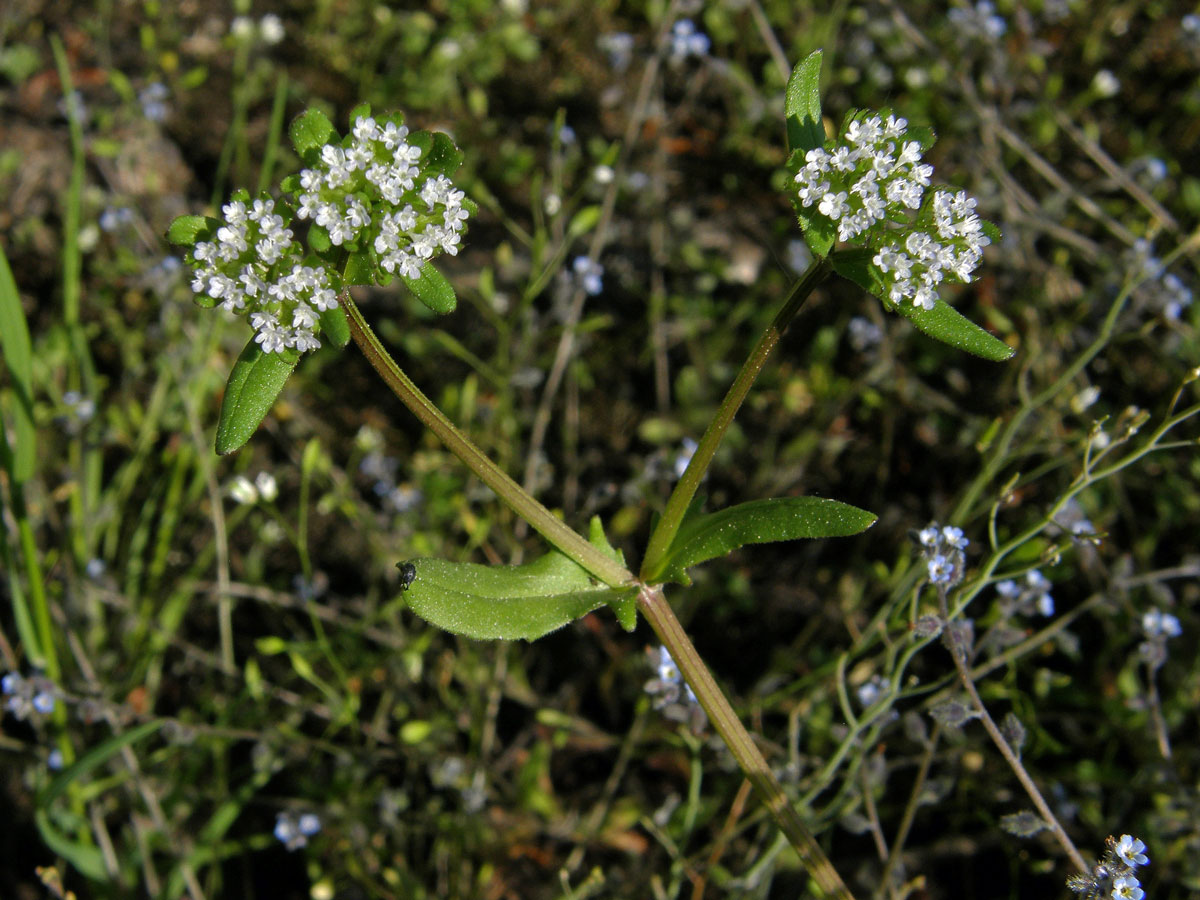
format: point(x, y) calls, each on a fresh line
point(654, 606)
point(685, 489)
point(512, 494)
point(959, 654)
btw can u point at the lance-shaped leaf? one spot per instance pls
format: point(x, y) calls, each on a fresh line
point(948, 325)
point(432, 289)
point(359, 269)
point(802, 105)
point(855, 264)
point(511, 602)
point(942, 322)
point(255, 382)
point(83, 857)
point(623, 603)
point(705, 536)
point(335, 326)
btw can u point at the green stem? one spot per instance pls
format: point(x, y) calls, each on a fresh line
point(517, 499)
point(653, 605)
point(1000, 451)
point(685, 489)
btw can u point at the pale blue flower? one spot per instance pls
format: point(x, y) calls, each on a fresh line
point(293, 830)
point(940, 569)
point(1130, 849)
point(1158, 624)
point(1127, 888)
point(589, 274)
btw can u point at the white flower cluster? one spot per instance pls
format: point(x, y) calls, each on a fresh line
point(370, 193)
point(255, 264)
point(874, 178)
point(411, 224)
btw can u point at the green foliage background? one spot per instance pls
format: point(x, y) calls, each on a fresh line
point(266, 645)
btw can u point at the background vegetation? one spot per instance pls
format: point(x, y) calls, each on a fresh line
point(229, 641)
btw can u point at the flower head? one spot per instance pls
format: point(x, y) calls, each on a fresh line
point(869, 189)
point(375, 190)
point(944, 551)
point(589, 274)
point(36, 694)
point(687, 41)
point(672, 694)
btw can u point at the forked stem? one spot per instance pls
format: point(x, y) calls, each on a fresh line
point(651, 600)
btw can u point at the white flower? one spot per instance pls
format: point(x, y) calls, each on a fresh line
point(364, 192)
point(267, 487)
point(242, 28)
point(1105, 83)
point(1126, 887)
point(1130, 850)
point(270, 27)
point(833, 205)
point(243, 491)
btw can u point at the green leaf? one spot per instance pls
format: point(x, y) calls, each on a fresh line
point(942, 322)
point(802, 105)
point(318, 239)
point(359, 269)
point(310, 131)
point(856, 265)
point(18, 359)
point(506, 602)
point(946, 324)
point(335, 326)
point(923, 135)
point(84, 858)
point(439, 156)
point(702, 537)
point(185, 231)
point(255, 382)
point(820, 233)
point(363, 110)
point(432, 289)
point(95, 757)
point(624, 604)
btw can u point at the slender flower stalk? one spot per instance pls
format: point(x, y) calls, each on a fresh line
point(654, 606)
point(651, 601)
point(514, 496)
point(685, 489)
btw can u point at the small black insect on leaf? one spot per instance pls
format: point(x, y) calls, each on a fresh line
point(408, 572)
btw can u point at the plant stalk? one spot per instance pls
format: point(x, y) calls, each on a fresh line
point(654, 606)
point(514, 496)
point(685, 489)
